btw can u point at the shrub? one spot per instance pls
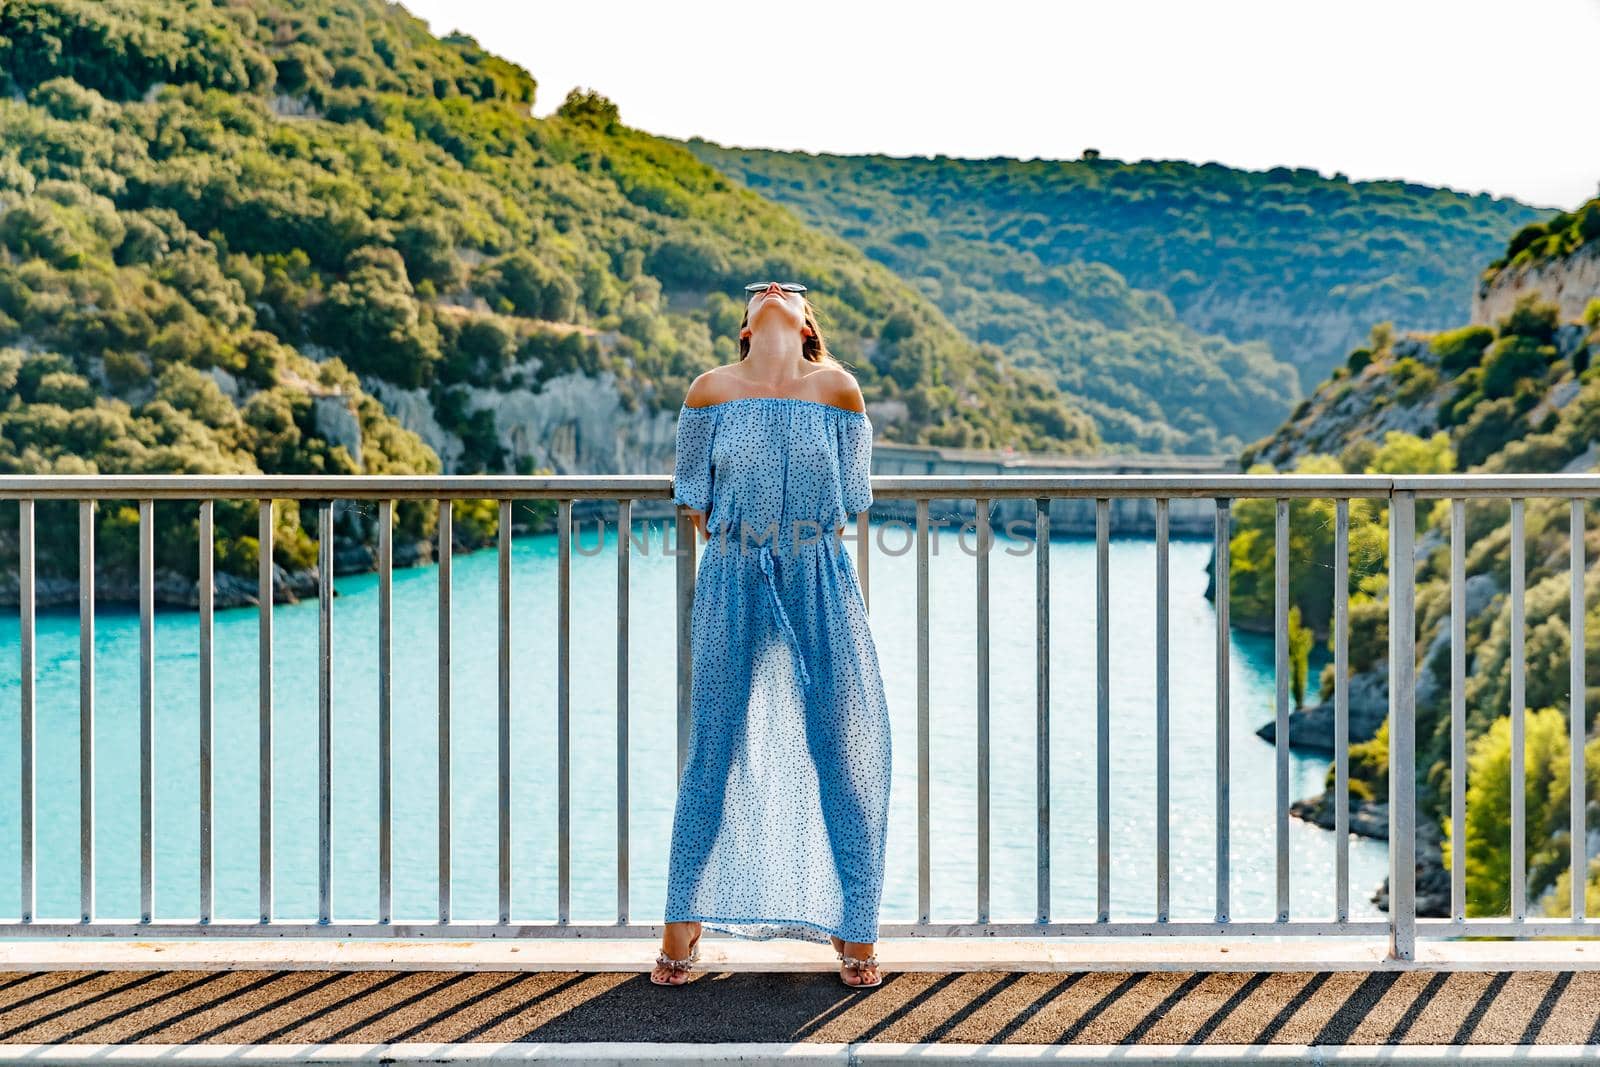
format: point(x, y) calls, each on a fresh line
point(68, 390)
point(65, 99)
point(1524, 239)
point(1414, 379)
point(1406, 453)
point(1533, 317)
point(1511, 359)
point(1300, 641)
point(529, 287)
point(1547, 759)
point(1459, 349)
point(374, 318)
point(589, 108)
point(1491, 425)
point(1358, 455)
point(1589, 221)
point(1369, 764)
point(477, 349)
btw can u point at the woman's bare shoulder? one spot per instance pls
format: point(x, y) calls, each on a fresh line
point(711, 387)
point(839, 387)
point(826, 385)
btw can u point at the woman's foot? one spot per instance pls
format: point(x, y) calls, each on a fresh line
point(857, 974)
point(677, 943)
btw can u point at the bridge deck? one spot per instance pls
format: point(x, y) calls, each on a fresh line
point(1079, 1007)
point(936, 991)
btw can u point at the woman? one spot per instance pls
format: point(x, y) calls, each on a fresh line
point(782, 805)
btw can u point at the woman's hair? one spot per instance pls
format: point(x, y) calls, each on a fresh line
point(813, 348)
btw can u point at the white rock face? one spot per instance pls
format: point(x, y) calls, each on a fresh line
point(413, 410)
point(1571, 283)
point(337, 424)
point(226, 382)
point(577, 425)
point(573, 425)
point(1300, 336)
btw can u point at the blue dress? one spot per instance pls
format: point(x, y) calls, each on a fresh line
point(784, 797)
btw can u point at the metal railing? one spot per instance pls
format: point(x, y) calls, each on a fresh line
point(1402, 927)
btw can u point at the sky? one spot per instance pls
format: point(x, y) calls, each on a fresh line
point(1490, 96)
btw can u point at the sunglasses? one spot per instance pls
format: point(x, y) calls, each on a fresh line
point(788, 287)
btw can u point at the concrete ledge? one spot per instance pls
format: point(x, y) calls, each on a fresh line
point(797, 1054)
point(926, 955)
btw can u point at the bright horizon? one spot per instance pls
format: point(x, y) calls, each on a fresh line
point(1472, 95)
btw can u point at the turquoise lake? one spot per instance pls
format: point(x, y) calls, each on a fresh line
point(953, 688)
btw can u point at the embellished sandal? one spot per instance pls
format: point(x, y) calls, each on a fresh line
point(851, 963)
point(676, 967)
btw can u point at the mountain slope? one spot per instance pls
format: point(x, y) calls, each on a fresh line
point(1518, 394)
point(1184, 303)
point(311, 236)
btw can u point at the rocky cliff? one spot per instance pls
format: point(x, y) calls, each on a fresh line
point(572, 425)
point(1571, 283)
point(1514, 391)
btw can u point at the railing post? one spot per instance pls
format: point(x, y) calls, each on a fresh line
point(385, 710)
point(1041, 579)
point(86, 709)
point(503, 727)
point(564, 711)
point(25, 717)
point(446, 554)
point(264, 696)
point(147, 709)
point(207, 565)
point(1224, 596)
point(685, 546)
point(325, 712)
point(1402, 726)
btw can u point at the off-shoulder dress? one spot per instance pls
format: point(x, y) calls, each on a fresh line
point(783, 800)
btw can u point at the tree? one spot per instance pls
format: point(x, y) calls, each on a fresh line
point(589, 108)
point(523, 284)
point(1511, 359)
point(1311, 529)
point(374, 318)
point(1406, 453)
point(1546, 765)
point(1299, 656)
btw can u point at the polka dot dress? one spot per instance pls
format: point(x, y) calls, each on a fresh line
point(784, 798)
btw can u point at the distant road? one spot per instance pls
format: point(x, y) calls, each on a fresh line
point(891, 458)
point(1195, 515)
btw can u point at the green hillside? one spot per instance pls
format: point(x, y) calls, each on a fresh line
point(1518, 395)
point(1561, 235)
point(1184, 303)
point(226, 229)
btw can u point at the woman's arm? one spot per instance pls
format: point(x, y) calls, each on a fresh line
point(692, 474)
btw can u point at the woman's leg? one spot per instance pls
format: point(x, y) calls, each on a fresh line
point(867, 975)
point(677, 942)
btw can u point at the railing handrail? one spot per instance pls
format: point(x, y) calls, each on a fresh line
point(1403, 924)
point(904, 486)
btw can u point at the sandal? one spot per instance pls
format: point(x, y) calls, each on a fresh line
point(678, 966)
point(851, 963)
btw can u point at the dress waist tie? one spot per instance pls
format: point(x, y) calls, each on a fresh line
point(782, 616)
